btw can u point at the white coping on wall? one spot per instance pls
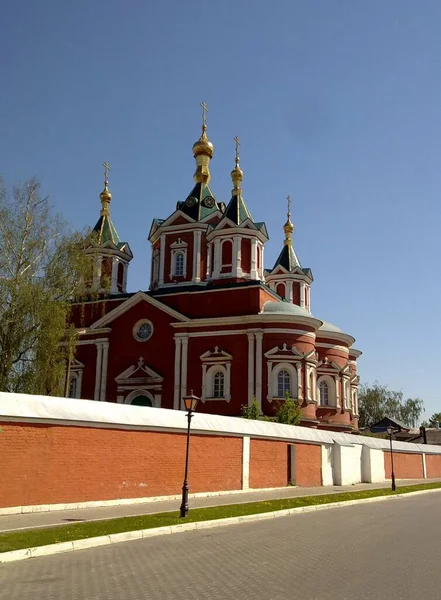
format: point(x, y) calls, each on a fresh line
point(90, 413)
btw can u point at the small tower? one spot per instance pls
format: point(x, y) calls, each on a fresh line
point(288, 278)
point(236, 243)
point(111, 256)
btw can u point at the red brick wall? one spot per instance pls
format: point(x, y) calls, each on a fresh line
point(46, 464)
point(433, 465)
point(406, 466)
point(268, 464)
point(308, 465)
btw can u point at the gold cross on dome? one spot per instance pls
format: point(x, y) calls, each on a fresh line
point(106, 170)
point(204, 114)
point(236, 139)
point(289, 205)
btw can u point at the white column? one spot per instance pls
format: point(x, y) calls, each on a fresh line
point(250, 368)
point(237, 256)
point(79, 382)
point(113, 283)
point(299, 380)
point(124, 283)
point(262, 261)
point(269, 365)
point(259, 337)
point(302, 294)
point(307, 383)
point(207, 273)
point(216, 259)
point(204, 382)
point(245, 462)
point(99, 357)
point(162, 259)
point(289, 294)
point(105, 347)
point(197, 256)
point(184, 369)
point(423, 458)
point(253, 274)
point(228, 382)
point(337, 391)
point(344, 394)
point(177, 374)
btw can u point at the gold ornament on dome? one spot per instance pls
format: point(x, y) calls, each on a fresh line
point(209, 202)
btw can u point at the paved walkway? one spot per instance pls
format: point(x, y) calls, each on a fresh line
point(66, 517)
point(382, 551)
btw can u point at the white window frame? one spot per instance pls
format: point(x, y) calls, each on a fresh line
point(323, 382)
point(178, 247)
point(332, 391)
point(128, 399)
point(212, 363)
point(293, 384)
point(76, 372)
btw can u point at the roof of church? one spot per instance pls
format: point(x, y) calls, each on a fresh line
point(287, 258)
point(237, 211)
point(200, 203)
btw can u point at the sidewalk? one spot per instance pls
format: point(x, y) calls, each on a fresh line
point(66, 517)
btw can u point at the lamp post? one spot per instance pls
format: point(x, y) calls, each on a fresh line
point(190, 402)
point(390, 430)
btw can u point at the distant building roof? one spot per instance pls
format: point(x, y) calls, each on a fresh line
point(386, 422)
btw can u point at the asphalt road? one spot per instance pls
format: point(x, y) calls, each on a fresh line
point(375, 551)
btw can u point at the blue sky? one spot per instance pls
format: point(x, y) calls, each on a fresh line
point(336, 102)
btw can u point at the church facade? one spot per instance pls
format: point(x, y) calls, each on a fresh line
point(214, 320)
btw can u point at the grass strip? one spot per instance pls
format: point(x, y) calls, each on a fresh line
point(32, 538)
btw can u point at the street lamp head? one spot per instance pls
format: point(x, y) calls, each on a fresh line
point(191, 402)
point(390, 430)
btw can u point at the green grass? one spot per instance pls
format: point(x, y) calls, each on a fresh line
point(16, 540)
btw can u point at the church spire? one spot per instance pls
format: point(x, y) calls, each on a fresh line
point(288, 228)
point(203, 151)
point(237, 173)
point(237, 211)
point(105, 195)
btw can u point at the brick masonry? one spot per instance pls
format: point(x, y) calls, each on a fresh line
point(433, 465)
point(406, 466)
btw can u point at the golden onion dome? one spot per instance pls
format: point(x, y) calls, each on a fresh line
point(203, 145)
point(288, 227)
point(105, 195)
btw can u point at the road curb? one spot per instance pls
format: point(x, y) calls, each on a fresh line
point(126, 536)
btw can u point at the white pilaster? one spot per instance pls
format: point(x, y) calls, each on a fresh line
point(105, 352)
point(253, 274)
point(245, 462)
point(162, 259)
point(269, 365)
point(299, 380)
point(113, 283)
point(337, 391)
point(262, 261)
point(423, 458)
point(302, 294)
point(99, 357)
point(124, 283)
point(228, 382)
point(197, 256)
point(289, 293)
point(207, 273)
point(217, 258)
point(237, 256)
point(184, 370)
point(177, 373)
point(250, 368)
point(204, 382)
point(79, 382)
point(259, 337)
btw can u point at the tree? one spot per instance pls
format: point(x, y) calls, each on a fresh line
point(42, 268)
point(288, 411)
point(377, 401)
point(252, 411)
point(435, 418)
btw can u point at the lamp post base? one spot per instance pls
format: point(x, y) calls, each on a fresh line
point(394, 487)
point(184, 504)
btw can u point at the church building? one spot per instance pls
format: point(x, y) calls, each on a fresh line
point(214, 320)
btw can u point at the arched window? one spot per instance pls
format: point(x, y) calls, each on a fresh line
point(141, 401)
point(227, 256)
point(73, 386)
point(324, 393)
point(280, 289)
point(283, 383)
point(120, 277)
point(179, 264)
point(218, 385)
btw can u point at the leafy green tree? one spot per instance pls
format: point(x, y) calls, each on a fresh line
point(252, 411)
point(435, 418)
point(288, 411)
point(377, 401)
point(42, 268)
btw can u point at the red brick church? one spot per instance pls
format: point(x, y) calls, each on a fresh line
point(214, 319)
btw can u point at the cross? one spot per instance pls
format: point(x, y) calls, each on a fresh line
point(204, 114)
point(236, 139)
point(106, 171)
point(289, 205)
